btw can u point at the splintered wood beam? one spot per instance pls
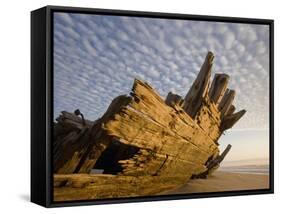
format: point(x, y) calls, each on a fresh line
point(199, 88)
point(218, 87)
point(213, 164)
point(230, 120)
point(226, 101)
point(219, 159)
point(174, 99)
point(231, 110)
point(224, 153)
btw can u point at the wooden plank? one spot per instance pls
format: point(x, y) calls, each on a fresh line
point(91, 156)
point(230, 120)
point(174, 99)
point(131, 127)
point(89, 187)
point(199, 88)
point(143, 164)
point(231, 110)
point(226, 101)
point(218, 87)
point(209, 121)
point(176, 166)
point(152, 107)
point(66, 151)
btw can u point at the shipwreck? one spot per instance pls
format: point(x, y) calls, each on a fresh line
point(144, 145)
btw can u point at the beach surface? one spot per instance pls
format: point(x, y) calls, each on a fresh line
point(224, 181)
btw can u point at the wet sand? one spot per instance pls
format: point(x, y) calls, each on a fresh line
point(224, 181)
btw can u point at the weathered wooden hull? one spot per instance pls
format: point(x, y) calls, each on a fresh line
point(147, 144)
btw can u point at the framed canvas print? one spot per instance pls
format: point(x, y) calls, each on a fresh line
point(138, 106)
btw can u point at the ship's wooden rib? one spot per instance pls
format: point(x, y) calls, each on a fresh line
point(143, 139)
point(231, 110)
point(218, 87)
point(230, 120)
point(214, 163)
point(226, 101)
point(199, 89)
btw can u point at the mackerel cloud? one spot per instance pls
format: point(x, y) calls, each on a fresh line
point(96, 58)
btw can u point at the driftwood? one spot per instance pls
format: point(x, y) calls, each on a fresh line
point(142, 139)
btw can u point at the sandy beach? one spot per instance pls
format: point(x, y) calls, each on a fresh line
point(224, 181)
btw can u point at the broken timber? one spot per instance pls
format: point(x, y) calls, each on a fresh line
point(142, 139)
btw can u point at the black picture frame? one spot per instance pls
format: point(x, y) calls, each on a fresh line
point(42, 105)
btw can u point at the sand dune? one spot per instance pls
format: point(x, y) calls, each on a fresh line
point(224, 181)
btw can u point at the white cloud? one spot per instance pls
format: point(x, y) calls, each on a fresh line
point(260, 47)
point(223, 61)
point(89, 48)
point(229, 38)
point(240, 48)
point(65, 17)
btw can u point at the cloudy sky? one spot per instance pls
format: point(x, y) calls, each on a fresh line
point(96, 58)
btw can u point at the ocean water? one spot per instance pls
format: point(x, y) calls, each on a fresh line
point(250, 169)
